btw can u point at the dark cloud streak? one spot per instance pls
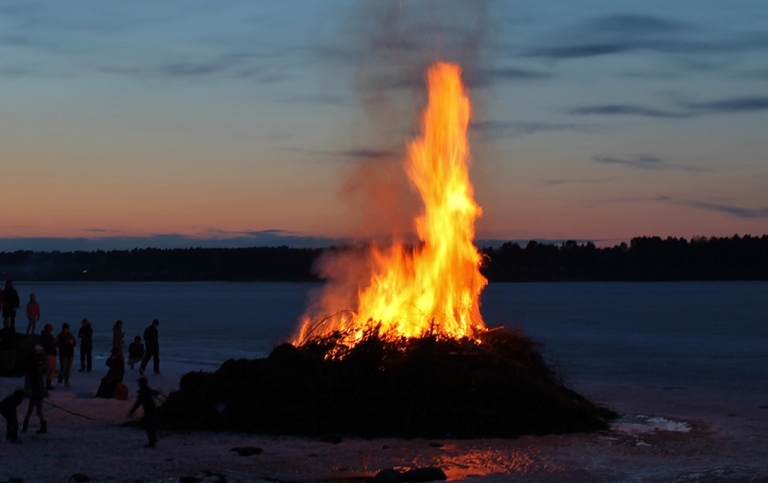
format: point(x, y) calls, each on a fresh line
point(735, 105)
point(645, 162)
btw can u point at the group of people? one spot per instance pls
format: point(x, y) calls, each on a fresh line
point(138, 352)
point(10, 302)
point(41, 369)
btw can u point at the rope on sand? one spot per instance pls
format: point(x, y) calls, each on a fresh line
point(67, 410)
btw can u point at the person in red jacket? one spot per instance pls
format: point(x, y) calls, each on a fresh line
point(33, 314)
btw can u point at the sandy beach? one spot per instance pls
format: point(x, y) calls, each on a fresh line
point(667, 434)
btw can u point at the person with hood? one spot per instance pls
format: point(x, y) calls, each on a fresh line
point(33, 314)
point(86, 345)
point(11, 303)
point(48, 341)
point(66, 343)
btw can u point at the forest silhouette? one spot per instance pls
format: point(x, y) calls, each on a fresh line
point(643, 259)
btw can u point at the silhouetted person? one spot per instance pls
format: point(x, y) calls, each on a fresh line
point(34, 385)
point(33, 314)
point(48, 341)
point(8, 409)
point(7, 348)
point(86, 345)
point(152, 348)
point(66, 343)
point(135, 351)
point(11, 303)
point(114, 376)
point(146, 399)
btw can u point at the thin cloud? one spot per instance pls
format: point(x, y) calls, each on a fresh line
point(502, 129)
point(727, 106)
point(644, 162)
point(625, 33)
point(559, 182)
point(367, 154)
point(626, 110)
point(734, 105)
point(641, 162)
point(738, 211)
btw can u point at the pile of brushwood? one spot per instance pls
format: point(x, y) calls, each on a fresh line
point(430, 387)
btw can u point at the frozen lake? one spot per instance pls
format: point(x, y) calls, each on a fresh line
point(684, 363)
point(711, 335)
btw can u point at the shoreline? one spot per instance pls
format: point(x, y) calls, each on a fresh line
point(666, 434)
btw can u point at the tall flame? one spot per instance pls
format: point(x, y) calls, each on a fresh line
point(435, 286)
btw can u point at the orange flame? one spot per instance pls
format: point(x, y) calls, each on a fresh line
point(434, 287)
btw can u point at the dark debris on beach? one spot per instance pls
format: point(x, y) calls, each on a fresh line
point(431, 387)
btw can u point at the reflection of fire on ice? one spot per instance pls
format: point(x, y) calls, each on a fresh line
point(434, 286)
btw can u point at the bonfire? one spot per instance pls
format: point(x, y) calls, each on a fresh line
point(435, 285)
point(408, 354)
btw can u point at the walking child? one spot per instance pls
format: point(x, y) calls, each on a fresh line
point(146, 399)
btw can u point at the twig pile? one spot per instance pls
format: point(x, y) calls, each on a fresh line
point(497, 386)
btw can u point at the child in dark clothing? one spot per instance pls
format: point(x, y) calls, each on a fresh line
point(135, 351)
point(8, 410)
point(146, 399)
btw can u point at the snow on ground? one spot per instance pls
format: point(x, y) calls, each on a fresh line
point(666, 434)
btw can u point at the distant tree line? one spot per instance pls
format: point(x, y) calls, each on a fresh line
point(644, 259)
point(274, 264)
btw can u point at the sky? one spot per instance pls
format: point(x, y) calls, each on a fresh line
point(237, 123)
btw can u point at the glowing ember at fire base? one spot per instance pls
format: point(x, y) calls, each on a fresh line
point(435, 287)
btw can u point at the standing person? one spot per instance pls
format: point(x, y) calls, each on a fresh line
point(11, 303)
point(33, 314)
point(34, 385)
point(48, 341)
point(146, 399)
point(153, 348)
point(117, 336)
point(86, 345)
point(135, 351)
point(7, 348)
point(8, 409)
point(66, 343)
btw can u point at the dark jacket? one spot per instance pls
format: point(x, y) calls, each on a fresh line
point(11, 299)
point(66, 344)
point(150, 337)
point(136, 351)
point(48, 342)
point(86, 337)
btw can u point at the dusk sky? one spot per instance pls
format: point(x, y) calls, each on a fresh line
point(241, 123)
